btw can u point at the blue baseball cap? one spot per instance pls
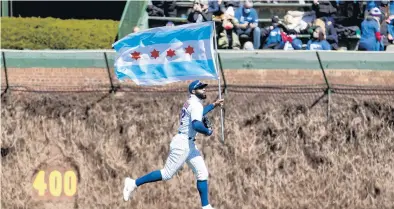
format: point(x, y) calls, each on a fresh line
point(197, 84)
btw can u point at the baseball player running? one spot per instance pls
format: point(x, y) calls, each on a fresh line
point(182, 147)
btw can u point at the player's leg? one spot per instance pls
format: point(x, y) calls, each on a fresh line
point(196, 162)
point(179, 152)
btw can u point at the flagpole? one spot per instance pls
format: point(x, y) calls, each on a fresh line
point(220, 91)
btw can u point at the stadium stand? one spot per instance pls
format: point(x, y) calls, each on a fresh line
point(348, 18)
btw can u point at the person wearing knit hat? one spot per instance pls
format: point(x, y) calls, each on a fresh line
point(371, 38)
point(274, 39)
point(227, 36)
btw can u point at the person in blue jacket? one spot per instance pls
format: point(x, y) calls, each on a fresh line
point(318, 41)
point(371, 38)
point(274, 38)
point(248, 23)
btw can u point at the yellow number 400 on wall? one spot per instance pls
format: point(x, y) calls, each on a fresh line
point(56, 183)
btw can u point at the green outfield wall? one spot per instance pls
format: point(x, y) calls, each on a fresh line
point(230, 59)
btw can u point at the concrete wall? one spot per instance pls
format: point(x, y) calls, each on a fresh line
point(87, 70)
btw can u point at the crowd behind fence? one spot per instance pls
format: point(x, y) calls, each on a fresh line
point(284, 25)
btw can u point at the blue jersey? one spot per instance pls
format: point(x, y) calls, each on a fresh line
point(318, 45)
point(243, 17)
point(368, 41)
point(274, 36)
point(368, 29)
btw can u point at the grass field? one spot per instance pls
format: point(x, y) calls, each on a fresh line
point(278, 152)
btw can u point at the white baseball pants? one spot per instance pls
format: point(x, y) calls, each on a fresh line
point(184, 150)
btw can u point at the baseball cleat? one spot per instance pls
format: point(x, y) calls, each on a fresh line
point(129, 187)
point(208, 207)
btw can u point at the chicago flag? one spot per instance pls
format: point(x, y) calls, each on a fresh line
point(165, 55)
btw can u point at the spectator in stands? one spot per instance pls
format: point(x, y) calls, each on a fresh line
point(232, 3)
point(248, 23)
point(324, 8)
point(349, 13)
point(318, 41)
point(329, 30)
point(391, 8)
point(293, 20)
point(215, 8)
point(296, 44)
point(276, 38)
point(166, 8)
point(390, 30)
point(199, 12)
point(387, 25)
point(371, 39)
point(382, 5)
point(227, 37)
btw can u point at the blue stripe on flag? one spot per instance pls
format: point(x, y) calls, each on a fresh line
point(170, 72)
point(167, 35)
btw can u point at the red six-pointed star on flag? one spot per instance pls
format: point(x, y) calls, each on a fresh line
point(170, 53)
point(154, 53)
point(135, 55)
point(189, 50)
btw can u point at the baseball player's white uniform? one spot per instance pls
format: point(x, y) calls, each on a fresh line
point(183, 149)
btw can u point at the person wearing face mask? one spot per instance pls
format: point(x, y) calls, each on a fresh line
point(371, 38)
point(248, 23)
point(318, 41)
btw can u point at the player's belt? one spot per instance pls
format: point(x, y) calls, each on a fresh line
point(190, 138)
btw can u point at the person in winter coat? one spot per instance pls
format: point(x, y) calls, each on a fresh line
point(199, 13)
point(326, 23)
point(324, 8)
point(166, 8)
point(390, 30)
point(371, 38)
point(227, 36)
point(216, 8)
point(318, 41)
point(382, 5)
point(276, 38)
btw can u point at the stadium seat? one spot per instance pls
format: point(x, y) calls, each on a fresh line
point(265, 10)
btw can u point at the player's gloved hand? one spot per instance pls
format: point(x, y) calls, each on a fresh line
point(207, 123)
